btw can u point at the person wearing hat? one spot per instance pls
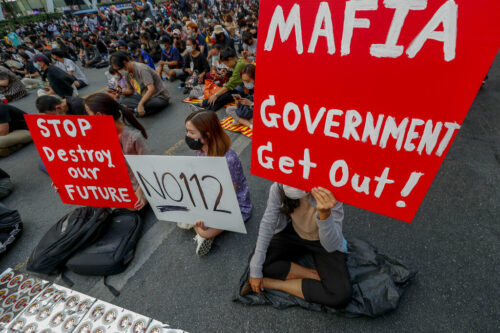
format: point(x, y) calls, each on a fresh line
point(171, 60)
point(221, 36)
point(192, 31)
point(60, 82)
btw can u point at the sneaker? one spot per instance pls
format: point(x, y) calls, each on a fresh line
point(203, 245)
point(186, 226)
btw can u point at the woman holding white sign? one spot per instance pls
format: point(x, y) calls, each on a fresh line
point(131, 133)
point(205, 135)
point(294, 224)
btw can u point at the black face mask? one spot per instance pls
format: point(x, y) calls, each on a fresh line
point(194, 144)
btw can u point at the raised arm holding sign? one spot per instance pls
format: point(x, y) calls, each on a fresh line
point(392, 84)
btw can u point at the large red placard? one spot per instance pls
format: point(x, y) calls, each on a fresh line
point(365, 97)
point(84, 159)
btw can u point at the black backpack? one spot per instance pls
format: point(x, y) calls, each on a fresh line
point(73, 232)
point(112, 252)
point(10, 227)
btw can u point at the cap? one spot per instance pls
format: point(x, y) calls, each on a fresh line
point(40, 57)
point(122, 43)
point(148, 20)
point(218, 29)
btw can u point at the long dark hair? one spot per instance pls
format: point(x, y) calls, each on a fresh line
point(209, 126)
point(105, 104)
point(288, 205)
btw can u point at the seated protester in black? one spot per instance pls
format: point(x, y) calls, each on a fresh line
point(151, 46)
point(92, 56)
point(222, 37)
point(11, 119)
point(294, 224)
point(101, 45)
point(61, 83)
point(242, 113)
point(195, 65)
point(53, 105)
point(32, 77)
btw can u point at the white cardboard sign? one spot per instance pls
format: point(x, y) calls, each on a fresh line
point(188, 189)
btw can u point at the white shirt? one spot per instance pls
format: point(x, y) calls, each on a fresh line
point(69, 66)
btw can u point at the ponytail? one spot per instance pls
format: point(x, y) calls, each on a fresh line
point(129, 117)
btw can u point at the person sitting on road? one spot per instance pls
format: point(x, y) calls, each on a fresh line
point(151, 46)
point(119, 87)
point(61, 83)
point(152, 95)
point(195, 65)
point(13, 129)
point(193, 32)
point(140, 55)
point(249, 47)
point(67, 106)
point(242, 113)
point(10, 85)
point(131, 133)
point(171, 60)
point(205, 135)
point(32, 77)
point(91, 55)
point(296, 223)
point(69, 67)
point(224, 96)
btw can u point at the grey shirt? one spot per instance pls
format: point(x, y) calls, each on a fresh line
point(145, 76)
point(273, 222)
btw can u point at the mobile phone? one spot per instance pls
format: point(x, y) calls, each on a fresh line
point(236, 96)
point(113, 89)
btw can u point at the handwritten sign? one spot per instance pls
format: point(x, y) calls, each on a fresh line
point(370, 94)
point(84, 159)
point(188, 189)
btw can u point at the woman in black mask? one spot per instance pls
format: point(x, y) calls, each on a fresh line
point(205, 135)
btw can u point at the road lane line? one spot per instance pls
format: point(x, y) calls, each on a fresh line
point(152, 239)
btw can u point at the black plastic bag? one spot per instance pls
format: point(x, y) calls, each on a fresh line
point(10, 227)
point(378, 282)
point(5, 184)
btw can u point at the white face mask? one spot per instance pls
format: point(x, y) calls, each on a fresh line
point(123, 72)
point(294, 193)
point(189, 49)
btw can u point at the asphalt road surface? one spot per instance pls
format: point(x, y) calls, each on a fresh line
point(453, 241)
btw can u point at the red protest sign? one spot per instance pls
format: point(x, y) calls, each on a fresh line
point(365, 97)
point(84, 159)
